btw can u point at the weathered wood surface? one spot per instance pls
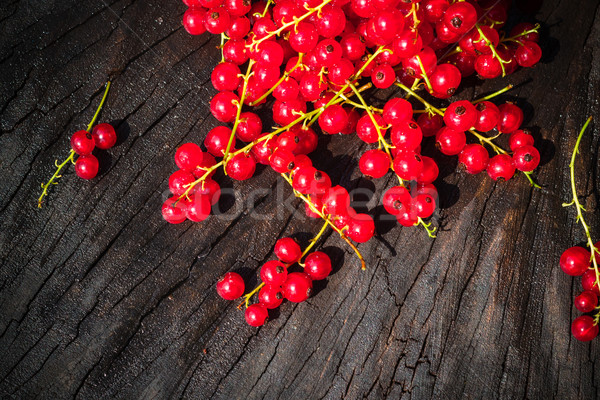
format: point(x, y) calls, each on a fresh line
point(101, 298)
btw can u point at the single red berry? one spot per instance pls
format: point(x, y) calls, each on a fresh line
point(241, 167)
point(304, 38)
point(230, 286)
point(488, 115)
point(217, 139)
point(235, 51)
point(333, 119)
point(224, 106)
point(434, 10)
point(104, 136)
point(179, 181)
point(450, 141)
point(317, 265)
point(430, 124)
point(482, 43)
point(269, 53)
point(520, 138)
point(511, 118)
point(256, 315)
point(193, 20)
point(424, 205)
point(217, 20)
point(395, 199)
point(408, 165)
point(460, 17)
point(188, 156)
point(288, 250)
point(336, 201)
point(361, 228)
point(331, 21)
point(173, 210)
point(282, 160)
point(274, 273)
point(237, 8)
point(587, 301)
point(589, 281)
point(427, 64)
point(445, 80)
point(239, 28)
point(475, 158)
point(500, 167)
point(352, 47)
point(297, 287)
point(406, 136)
point(575, 261)
point(526, 158)
point(584, 328)
point(210, 189)
point(309, 180)
point(460, 115)
point(383, 76)
point(366, 130)
point(270, 296)
point(407, 44)
point(397, 110)
point(82, 143)
point(374, 163)
point(488, 66)
point(429, 172)
point(464, 62)
point(522, 28)
point(287, 90)
point(204, 165)
point(198, 209)
point(249, 127)
point(284, 113)
point(86, 166)
point(528, 54)
point(226, 76)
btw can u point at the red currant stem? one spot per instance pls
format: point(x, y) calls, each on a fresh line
point(413, 11)
point(531, 181)
point(237, 116)
point(357, 105)
point(524, 33)
point(221, 47)
point(430, 231)
point(491, 96)
point(312, 243)
point(71, 156)
point(269, 2)
point(456, 50)
point(493, 48)
point(327, 220)
point(56, 175)
point(248, 296)
point(594, 250)
point(89, 127)
point(334, 100)
point(294, 22)
point(280, 81)
point(424, 73)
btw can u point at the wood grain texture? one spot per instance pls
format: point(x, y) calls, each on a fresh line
point(100, 298)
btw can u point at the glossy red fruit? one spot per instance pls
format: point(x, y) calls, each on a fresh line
point(224, 106)
point(511, 118)
point(522, 28)
point(331, 21)
point(450, 141)
point(460, 17)
point(584, 329)
point(288, 250)
point(366, 130)
point(317, 265)
point(241, 167)
point(474, 158)
point(394, 199)
point(198, 209)
point(235, 51)
point(249, 127)
point(361, 228)
point(397, 110)
point(239, 28)
point(273, 272)
point(528, 54)
point(374, 163)
point(333, 119)
point(210, 189)
point(430, 124)
point(429, 171)
point(104, 136)
point(586, 302)
point(408, 165)
point(500, 167)
point(488, 66)
point(226, 76)
point(217, 20)
point(304, 38)
point(336, 201)
point(526, 158)
point(188, 156)
point(82, 143)
point(407, 44)
point(179, 181)
point(86, 166)
point(352, 47)
point(445, 80)
point(520, 138)
point(575, 261)
point(488, 115)
point(285, 113)
point(256, 315)
point(460, 115)
point(406, 136)
point(230, 286)
point(297, 287)
point(270, 296)
point(589, 281)
point(383, 76)
point(217, 139)
point(173, 210)
point(424, 205)
point(193, 21)
point(428, 60)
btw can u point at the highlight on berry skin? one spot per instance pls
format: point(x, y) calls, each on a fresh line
point(316, 64)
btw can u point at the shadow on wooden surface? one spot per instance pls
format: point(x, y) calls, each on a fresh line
point(100, 298)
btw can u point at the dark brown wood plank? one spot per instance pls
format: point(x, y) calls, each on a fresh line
point(100, 298)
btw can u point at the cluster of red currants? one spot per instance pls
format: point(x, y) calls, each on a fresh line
point(103, 136)
point(577, 261)
point(310, 56)
point(277, 284)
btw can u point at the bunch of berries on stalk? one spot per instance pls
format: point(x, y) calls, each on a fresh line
point(578, 261)
point(83, 143)
point(313, 60)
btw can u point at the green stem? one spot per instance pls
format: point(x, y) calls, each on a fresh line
point(99, 107)
point(491, 96)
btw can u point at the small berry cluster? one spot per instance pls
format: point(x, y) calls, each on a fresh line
point(277, 283)
point(308, 59)
point(83, 143)
point(578, 261)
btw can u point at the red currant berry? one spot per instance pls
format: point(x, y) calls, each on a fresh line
point(226, 77)
point(383, 76)
point(395, 198)
point(256, 315)
point(217, 20)
point(500, 167)
point(231, 286)
point(450, 141)
point(206, 162)
point(460, 17)
point(586, 302)
point(520, 138)
point(304, 38)
point(460, 115)
point(522, 28)
point(374, 163)
point(284, 113)
point(488, 115)
point(407, 44)
point(526, 158)
point(482, 43)
point(589, 282)
point(474, 158)
point(464, 62)
point(287, 90)
point(328, 52)
point(336, 201)
point(241, 167)
point(424, 205)
point(237, 8)
point(270, 296)
point(528, 54)
point(210, 189)
point(86, 166)
point(282, 161)
point(82, 143)
point(274, 273)
point(397, 110)
point(408, 165)
point(331, 21)
point(269, 53)
point(188, 156)
point(239, 28)
point(297, 287)
point(429, 172)
point(445, 80)
point(235, 51)
point(343, 70)
point(287, 250)
point(406, 136)
point(317, 265)
point(430, 124)
point(216, 141)
point(427, 58)
point(249, 127)
point(104, 136)
point(366, 131)
point(333, 119)
point(511, 118)
point(179, 180)
point(193, 21)
point(584, 328)
point(224, 106)
point(434, 10)
point(575, 261)
point(488, 66)
point(198, 208)
point(173, 210)
point(361, 228)
point(352, 47)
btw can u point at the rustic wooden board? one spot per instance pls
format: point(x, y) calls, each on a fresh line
point(100, 298)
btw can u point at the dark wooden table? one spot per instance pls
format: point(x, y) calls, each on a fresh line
point(100, 298)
